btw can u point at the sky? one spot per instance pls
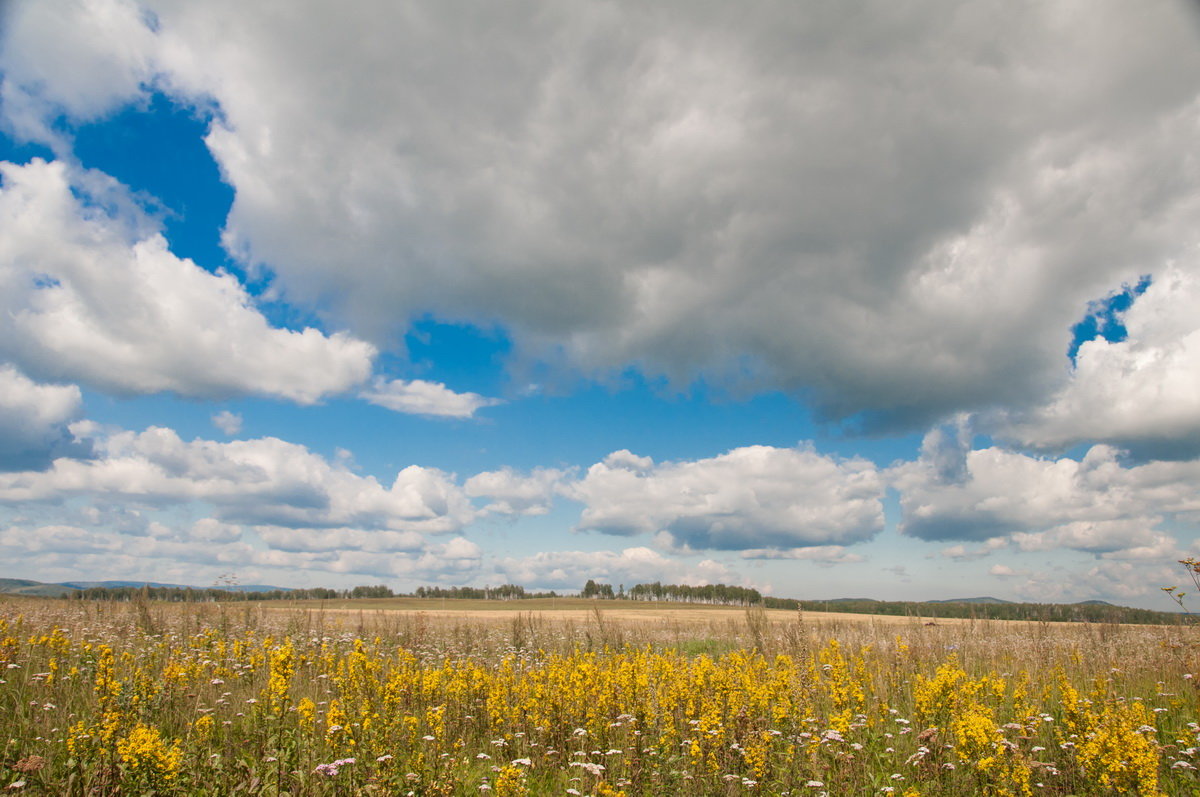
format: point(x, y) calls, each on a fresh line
point(855, 299)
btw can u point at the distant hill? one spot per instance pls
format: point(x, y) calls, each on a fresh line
point(226, 587)
point(23, 586)
point(90, 584)
point(984, 608)
point(10, 584)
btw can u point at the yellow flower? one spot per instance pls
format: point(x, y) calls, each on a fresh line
point(510, 782)
point(146, 753)
point(283, 667)
point(1119, 751)
point(203, 727)
point(306, 710)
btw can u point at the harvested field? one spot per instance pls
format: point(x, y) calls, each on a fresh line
point(579, 610)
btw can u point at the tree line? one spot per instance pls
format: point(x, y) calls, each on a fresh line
point(504, 592)
point(712, 594)
point(1030, 612)
point(727, 595)
point(209, 594)
point(716, 594)
point(205, 594)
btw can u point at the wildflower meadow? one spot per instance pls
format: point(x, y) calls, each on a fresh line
point(102, 698)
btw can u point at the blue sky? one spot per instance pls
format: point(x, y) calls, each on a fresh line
point(829, 302)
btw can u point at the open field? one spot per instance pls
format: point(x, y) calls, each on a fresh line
point(398, 698)
point(584, 609)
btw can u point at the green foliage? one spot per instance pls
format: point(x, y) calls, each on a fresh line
point(1036, 612)
point(202, 595)
point(717, 594)
point(593, 590)
point(504, 592)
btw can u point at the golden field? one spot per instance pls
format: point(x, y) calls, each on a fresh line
point(522, 698)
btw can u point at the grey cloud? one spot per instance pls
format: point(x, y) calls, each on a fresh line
point(824, 555)
point(945, 449)
point(894, 210)
point(927, 523)
point(1141, 393)
point(1097, 504)
point(35, 422)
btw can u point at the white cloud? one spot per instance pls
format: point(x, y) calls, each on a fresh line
point(1111, 581)
point(89, 292)
point(516, 494)
point(1121, 538)
point(1142, 392)
point(228, 422)
point(571, 569)
point(749, 498)
point(419, 397)
point(456, 561)
point(209, 549)
point(265, 481)
point(82, 58)
point(1095, 504)
point(59, 539)
point(1001, 571)
point(34, 421)
point(340, 539)
point(214, 531)
point(678, 188)
point(960, 553)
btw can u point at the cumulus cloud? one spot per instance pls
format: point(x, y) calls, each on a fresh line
point(571, 569)
point(58, 539)
point(749, 498)
point(687, 190)
point(90, 292)
point(340, 539)
point(79, 58)
point(515, 494)
point(1140, 393)
point(214, 531)
point(264, 481)
point(1107, 580)
point(34, 421)
point(1121, 538)
point(419, 397)
point(1095, 504)
point(208, 549)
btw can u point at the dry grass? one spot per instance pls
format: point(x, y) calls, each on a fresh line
point(655, 699)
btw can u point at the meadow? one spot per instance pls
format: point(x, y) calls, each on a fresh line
point(569, 699)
